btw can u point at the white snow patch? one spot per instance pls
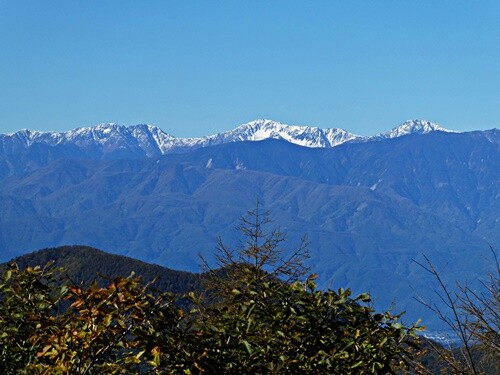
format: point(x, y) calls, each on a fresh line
point(238, 165)
point(375, 185)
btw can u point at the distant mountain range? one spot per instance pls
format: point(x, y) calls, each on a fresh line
point(370, 205)
point(111, 141)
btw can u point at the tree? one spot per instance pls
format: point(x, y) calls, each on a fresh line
point(69, 329)
point(267, 317)
point(29, 302)
point(474, 317)
point(259, 256)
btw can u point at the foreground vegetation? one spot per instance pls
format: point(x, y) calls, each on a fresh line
point(260, 313)
point(473, 315)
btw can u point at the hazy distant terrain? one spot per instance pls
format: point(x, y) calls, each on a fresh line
point(368, 206)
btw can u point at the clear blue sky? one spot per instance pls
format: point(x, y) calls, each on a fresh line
point(199, 67)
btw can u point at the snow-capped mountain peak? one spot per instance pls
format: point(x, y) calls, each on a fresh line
point(306, 136)
point(414, 127)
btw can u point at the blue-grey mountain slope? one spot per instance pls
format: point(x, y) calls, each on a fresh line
point(369, 207)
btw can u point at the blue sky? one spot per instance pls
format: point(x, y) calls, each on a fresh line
point(199, 67)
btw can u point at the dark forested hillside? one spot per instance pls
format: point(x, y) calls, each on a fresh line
point(85, 264)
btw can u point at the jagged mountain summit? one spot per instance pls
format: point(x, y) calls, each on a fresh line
point(113, 141)
point(301, 135)
point(414, 127)
point(100, 139)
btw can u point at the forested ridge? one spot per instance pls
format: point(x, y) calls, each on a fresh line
point(84, 264)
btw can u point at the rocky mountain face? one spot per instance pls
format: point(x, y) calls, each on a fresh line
point(369, 206)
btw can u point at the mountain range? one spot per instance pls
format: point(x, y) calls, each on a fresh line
point(111, 141)
point(369, 205)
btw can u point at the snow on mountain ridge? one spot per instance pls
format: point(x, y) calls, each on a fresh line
point(263, 129)
point(301, 135)
point(152, 141)
point(414, 127)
